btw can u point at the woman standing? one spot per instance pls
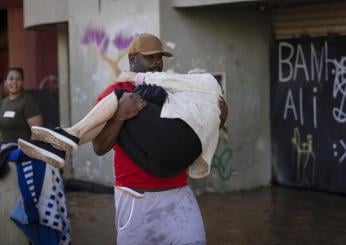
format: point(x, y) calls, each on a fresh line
point(18, 112)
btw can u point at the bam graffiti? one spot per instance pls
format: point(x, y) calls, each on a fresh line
point(314, 65)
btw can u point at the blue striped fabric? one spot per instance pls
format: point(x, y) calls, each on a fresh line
point(43, 196)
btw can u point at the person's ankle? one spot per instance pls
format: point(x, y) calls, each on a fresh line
point(72, 132)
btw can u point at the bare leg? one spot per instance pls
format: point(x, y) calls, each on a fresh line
point(84, 131)
point(91, 134)
point(99, 115)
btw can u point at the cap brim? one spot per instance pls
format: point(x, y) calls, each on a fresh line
point(164, 53)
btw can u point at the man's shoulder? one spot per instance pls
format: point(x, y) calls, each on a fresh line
point(117, 85)
point(114, 86)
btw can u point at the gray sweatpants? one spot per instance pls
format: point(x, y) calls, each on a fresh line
point(166, 217)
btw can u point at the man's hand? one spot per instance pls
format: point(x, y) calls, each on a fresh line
point(224, 111)
point(130, 104)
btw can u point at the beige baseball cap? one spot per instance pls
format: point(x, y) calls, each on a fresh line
point(146, 44)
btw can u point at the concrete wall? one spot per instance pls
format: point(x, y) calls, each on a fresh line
point(195, 3)
point(227, 39)
point(99, 32)
point(42, 12)
point(235, 41)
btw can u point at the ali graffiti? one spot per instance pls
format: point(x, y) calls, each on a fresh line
point(308, 112)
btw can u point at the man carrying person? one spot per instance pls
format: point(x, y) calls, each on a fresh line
point(149, 209)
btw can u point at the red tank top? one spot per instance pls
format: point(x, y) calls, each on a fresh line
point(127, 173)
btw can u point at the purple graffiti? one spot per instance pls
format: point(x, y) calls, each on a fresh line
point(104, 46)
point(122, 41)
point(94, 35)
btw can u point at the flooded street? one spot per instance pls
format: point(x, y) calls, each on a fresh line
point(265, 216)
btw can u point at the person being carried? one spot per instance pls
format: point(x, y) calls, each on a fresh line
point(178, 127)
point(148, 208)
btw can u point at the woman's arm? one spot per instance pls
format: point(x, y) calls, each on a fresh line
point(35, 121)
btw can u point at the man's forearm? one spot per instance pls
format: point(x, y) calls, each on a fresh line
point(105, 141)
point(129, 106)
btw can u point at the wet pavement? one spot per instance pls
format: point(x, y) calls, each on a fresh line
point(264, 216)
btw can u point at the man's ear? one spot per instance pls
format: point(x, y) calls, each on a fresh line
point(132, 60)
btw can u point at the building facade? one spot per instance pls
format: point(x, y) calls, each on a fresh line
point(254, 49)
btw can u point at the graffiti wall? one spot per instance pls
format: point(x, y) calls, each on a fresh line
point(99, 35)
point(99, 42)
point(221, 44)
point(308, 113)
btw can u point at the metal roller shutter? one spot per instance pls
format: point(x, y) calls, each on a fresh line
point(319, 19)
